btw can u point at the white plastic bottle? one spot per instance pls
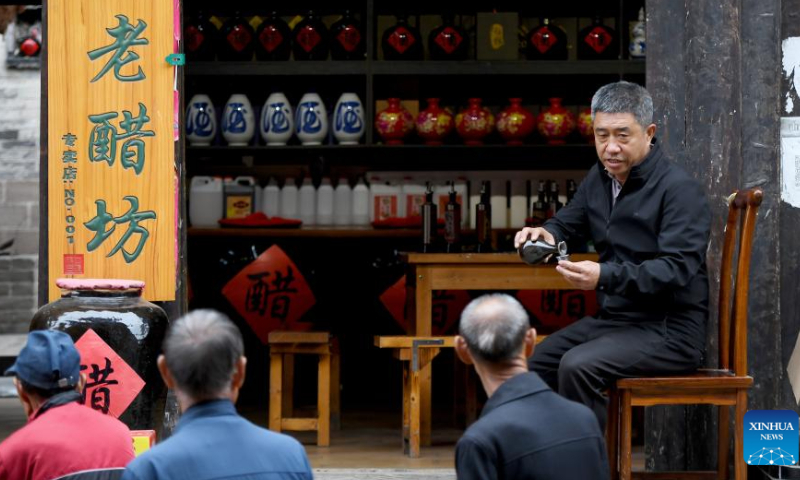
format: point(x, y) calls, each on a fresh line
point(385, 200)
point(289, 200)
point(342, 203)
point(307, 202)
point(271, 199)
point(325, 203)
point(499, 202)
point(360, 203)
point(205, 201)
point(519, 204)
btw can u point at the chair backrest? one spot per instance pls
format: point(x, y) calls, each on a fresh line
point(733, 284)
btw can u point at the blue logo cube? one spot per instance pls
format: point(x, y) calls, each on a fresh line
point(771, 437)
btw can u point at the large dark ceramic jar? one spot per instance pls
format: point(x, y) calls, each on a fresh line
point(598, 42)
point(402, 41)
point(347, 39)
point(273, 39)
point(448, 41)
point(310, 39)
point(237, 40)
point(546, 42)
point(131, 326)
point(200, 38)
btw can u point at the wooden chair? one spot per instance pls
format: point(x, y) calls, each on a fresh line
point(283, 347)
point(416, 353)
point(724, 387)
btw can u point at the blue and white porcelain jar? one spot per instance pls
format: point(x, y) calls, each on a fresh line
point(238, 121)
point(277, 120)
point(201, 121)
point(311, 120)
point(348, 119)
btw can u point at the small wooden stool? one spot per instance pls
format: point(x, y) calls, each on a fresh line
point(416, 353)
point(283, 346)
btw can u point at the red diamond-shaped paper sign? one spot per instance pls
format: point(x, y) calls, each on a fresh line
point(447, 306)
point(543, 39)
point(401, 39)
point(111, 384)
point(555, 309)
point(271, 294)
point(599, 39)
point(449, 39)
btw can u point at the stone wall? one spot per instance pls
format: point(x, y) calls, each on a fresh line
point(20, 97)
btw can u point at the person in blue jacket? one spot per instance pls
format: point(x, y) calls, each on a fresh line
point(204, 363)
point(650, 223)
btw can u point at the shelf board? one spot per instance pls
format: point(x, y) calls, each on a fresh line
point(323, 232)
point(509, 67)
point(469, 67)
point(242, 160)
point(256, 68)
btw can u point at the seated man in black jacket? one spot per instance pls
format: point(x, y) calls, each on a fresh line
point(649, 221)
point(526, 431)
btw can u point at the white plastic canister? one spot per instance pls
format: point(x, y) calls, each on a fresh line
point(205, 201)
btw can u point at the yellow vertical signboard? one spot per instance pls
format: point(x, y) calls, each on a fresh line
point(110, 154)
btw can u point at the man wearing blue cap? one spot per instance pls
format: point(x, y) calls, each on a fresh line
point(62, 439)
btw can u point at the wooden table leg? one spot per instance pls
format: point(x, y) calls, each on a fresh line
point(335, 392)
point(406, 407)
point(424, 306)
point(414, 413)
point(275, 391)
point(323, 401)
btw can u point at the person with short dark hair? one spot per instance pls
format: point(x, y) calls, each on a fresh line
point(525, 431)
point(204, 363)
point(62, 439)
point(650, 223)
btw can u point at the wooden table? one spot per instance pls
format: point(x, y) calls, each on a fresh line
point(468, 271)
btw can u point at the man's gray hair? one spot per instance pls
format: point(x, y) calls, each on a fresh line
point(624, 97)
point(201, 350)
point(494, 327)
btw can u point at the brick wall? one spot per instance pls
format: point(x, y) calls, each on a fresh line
point(19, 194)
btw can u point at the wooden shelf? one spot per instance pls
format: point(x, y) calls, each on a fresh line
point(321, 232)
point(470, 67)
point(256, 68)
point(240, 160)
point(521, 67)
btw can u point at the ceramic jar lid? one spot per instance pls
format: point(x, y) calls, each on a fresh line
point(98, 284)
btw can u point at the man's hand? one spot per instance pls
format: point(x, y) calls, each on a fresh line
point(529, 233)
point(583, 275)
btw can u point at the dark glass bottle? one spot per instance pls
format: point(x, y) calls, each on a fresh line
point(554, 204)
point(273, 39)
point(539, 207)
point(447, 41)
point(310, 39)
point(237, 40)
point(402, 41)
point(598, 42)
point(546, 42)
point(429, 223)
point(483, 219)
point(133, 328)
point(536, 251)
point(200, 38)
point(452, 222)
point(572, 188)
point(347, 39)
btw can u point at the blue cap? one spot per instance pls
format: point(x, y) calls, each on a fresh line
point(49, 360)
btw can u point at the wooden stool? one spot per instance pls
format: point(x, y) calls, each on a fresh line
point(283, 346)
point(416, 353)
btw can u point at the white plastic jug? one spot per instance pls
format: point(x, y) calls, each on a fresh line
point(519, 204)
point(270, 204)
point(289, 200)
point(360, 203)
point(385, 200)
point(307, 202)
point(325, 203)
point(205, 201)
point(342, 203)
point(413, 196)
